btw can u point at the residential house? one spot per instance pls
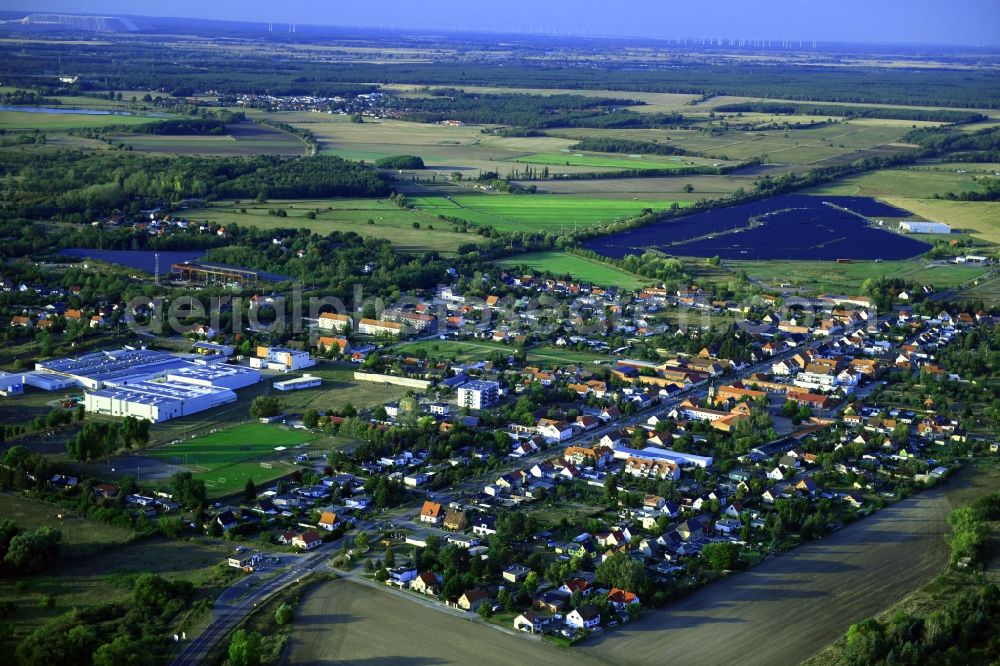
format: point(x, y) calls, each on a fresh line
point(426, 583)
point(585, 617)
point(431, 512)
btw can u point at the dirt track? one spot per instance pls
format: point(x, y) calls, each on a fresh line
point(781, 612)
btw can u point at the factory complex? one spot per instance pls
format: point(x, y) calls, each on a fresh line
point(144, 383)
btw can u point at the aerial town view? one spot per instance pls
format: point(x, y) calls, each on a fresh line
point(564, 333)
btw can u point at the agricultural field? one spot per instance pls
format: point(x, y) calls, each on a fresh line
point(345, 621)
point(703, 187)
point(536, 213)
point(812, 594)
point(608, 160)
point(240, 139)
point(920, 182)
point(979, 218)
point(26, 121)
point(793, 146)
point(444, 148)
point(580, 268)
point(389, 221)
point(821, 276)
point(82, 578)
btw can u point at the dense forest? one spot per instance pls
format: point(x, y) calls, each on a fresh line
point(533, 111)
point(75, 186)
point(629, 146)
point(134, 65)
point(830, 110)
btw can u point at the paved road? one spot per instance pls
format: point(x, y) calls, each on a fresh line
point(242, 597)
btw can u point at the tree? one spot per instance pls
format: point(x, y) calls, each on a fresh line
point(721, 556)
point(244, 648)
point(505, 599)
point(485, 610)
point(215, 529)
point(361, 541)
point(390, 558)
point(264, 406)
point(187, 490)
point(250, 491)
point(311, 418)
point(284, 614)
point(29, 552)
point(623, 572)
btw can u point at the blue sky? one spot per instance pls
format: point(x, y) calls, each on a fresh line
point(973, 22)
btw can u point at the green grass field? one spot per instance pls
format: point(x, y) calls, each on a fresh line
point(226, 459)
point(980, 218)
point(243, 442)
point(50, 122)
point(910, 182)
point(96, 564)
point(824, 276)
point(580, 268)
point(552, 213)
point(454, 350)
point(390, 221)
point(240, 139)
point(606, 161)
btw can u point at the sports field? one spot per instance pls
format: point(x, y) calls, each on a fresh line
point(226, 459)
point(548, 213)
point(607, 161)
point(580, 268)
point(387, 220)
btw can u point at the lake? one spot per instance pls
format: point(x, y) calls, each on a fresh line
point(143, 260)
point(793, 227)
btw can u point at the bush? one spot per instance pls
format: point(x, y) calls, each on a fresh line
point(284, 614)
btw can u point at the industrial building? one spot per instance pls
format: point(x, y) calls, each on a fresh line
point(218, 375)
point(280, 358)
point(478, 394)
point(299, 383)
point(915, 227)
point(194, 271)
point(156, 401)
point(11, 384)
point(118, 367)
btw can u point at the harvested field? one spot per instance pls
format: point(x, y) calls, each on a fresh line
point(346, 622)
point(807, 597)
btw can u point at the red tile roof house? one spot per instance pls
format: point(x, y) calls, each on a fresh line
point(307, 540)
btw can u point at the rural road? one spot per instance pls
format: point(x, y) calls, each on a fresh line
point(230, 607)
